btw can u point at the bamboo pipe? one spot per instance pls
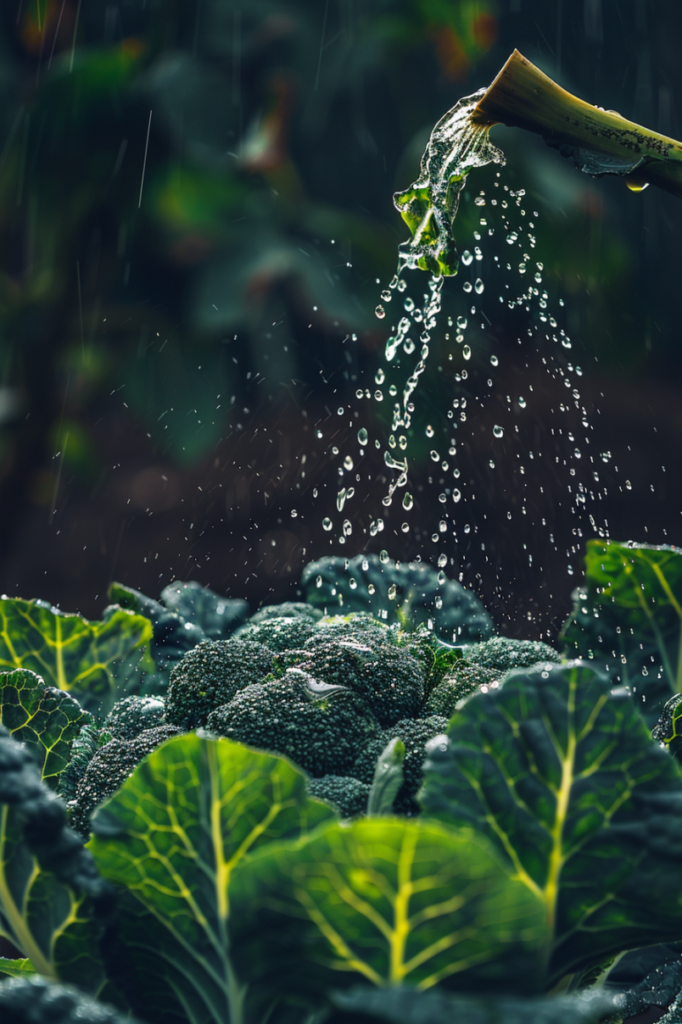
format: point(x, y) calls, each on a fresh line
point(601, 141)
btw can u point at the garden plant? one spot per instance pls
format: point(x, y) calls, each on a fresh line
point(368, 804)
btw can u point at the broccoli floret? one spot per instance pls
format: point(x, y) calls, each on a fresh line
point(210, 676)
point(389, 678)
point(36, 1000)
point(108, 769)
point(321, 728)
point(278, 633)
point(503, 653)
point(84, 747)
point(349, 795)
point(288, 610)
point(133, 715)
point(415, 734)
point(463, 679)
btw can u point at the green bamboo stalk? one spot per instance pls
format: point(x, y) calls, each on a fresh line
point(601, 141)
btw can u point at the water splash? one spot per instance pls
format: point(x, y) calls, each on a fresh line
point(457, 145)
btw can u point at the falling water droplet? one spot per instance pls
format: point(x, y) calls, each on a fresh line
point(363, 436)
point(383, 557)
point(467, 286)
point(408, 501)
point(442, 578)
point(429, 431)
point(467, 258)
point(479, 286)
point(498, 431)
point(462, 323)
point(352, 583)
point(386, 295)
point(409, 304)
point(380, 312)
point(442, 561)
point(348, 463)
point(494, 361)
point(392, 592)
point(466, 352)
point(327, 524)
point(522, 403)
point(380, 376)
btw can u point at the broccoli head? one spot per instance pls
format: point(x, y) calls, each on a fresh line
point(462, 680)
point(210, 676)
point(415, 734)
point(349, 795)
point(322, 728)
point(504, 654)
point(133, 715)
point(389, 678)
point(286, 610)
point(108, 769)
point(35, 1000)
point(279, 633)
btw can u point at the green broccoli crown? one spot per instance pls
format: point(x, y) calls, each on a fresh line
point(133, 715)
point(108, 769)
point(35, 1000)
point(463, 679)
point(503, 653)
point(210, 675)
point(84, 747)
point(279, 633)
point(349, 795)
point(321, 727)
point(389, 678)
point(286, 610)
point(415, 734)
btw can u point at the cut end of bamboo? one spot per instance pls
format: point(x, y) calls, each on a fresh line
point(602, 142)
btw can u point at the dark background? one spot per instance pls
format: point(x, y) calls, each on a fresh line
point(195, 207)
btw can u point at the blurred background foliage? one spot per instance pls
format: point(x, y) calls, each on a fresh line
point(195, 224)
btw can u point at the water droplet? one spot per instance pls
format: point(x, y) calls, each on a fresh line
point(512, 237)
point(380, 376)
point(577, 453)
point(498, 431)
point(477, 250)
point(429, 431)
point(371, 589)
point(442, 578)
point(405, 527)
point(408, 501)
point(392, 592)
point(456, 495)
point(348, 463)
point(479, 201)
point(386, 295)
point(319, 434)
point(494, 361)
point(491, 463)
point(363, 436)
point(538, 277)
point(318, 582)
point(462, 323)
point(347, 528)
point(479, 286)
point(467, 258)
point(467, 286)
point(628, 485)
point(434, 455)
point(378, 396)
point(442, 561)
point(294, 513)
point(522, 403)
point(341, 499)
point(383, 557)
point(352, 583)
point(359, 393)
point(408, 304)
point(402, 285)
point(327, 524)
point(380, 312)
point(466, 352)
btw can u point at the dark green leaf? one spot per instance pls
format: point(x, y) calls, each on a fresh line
point(388, 778)
point(172, 836)
point(34, 1000)
point(47, 880)
point(643, 978)
point(629, 615)
point(217, 616)
point(406, 1006)
point(45, 719)
point(562, 775)
point(387, 901)
point(94, 661)
point(411, 594)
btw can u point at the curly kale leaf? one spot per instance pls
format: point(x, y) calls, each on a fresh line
point(410, 594)
point(45, 719)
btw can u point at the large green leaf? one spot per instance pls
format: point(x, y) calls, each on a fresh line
point(45, 719)
point(16, 968)
point(629, 615)
point(387, 901)
point(406, 1006)
point(94, 661)
point(562, 775)
point(46, 878)
point(172, 835)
